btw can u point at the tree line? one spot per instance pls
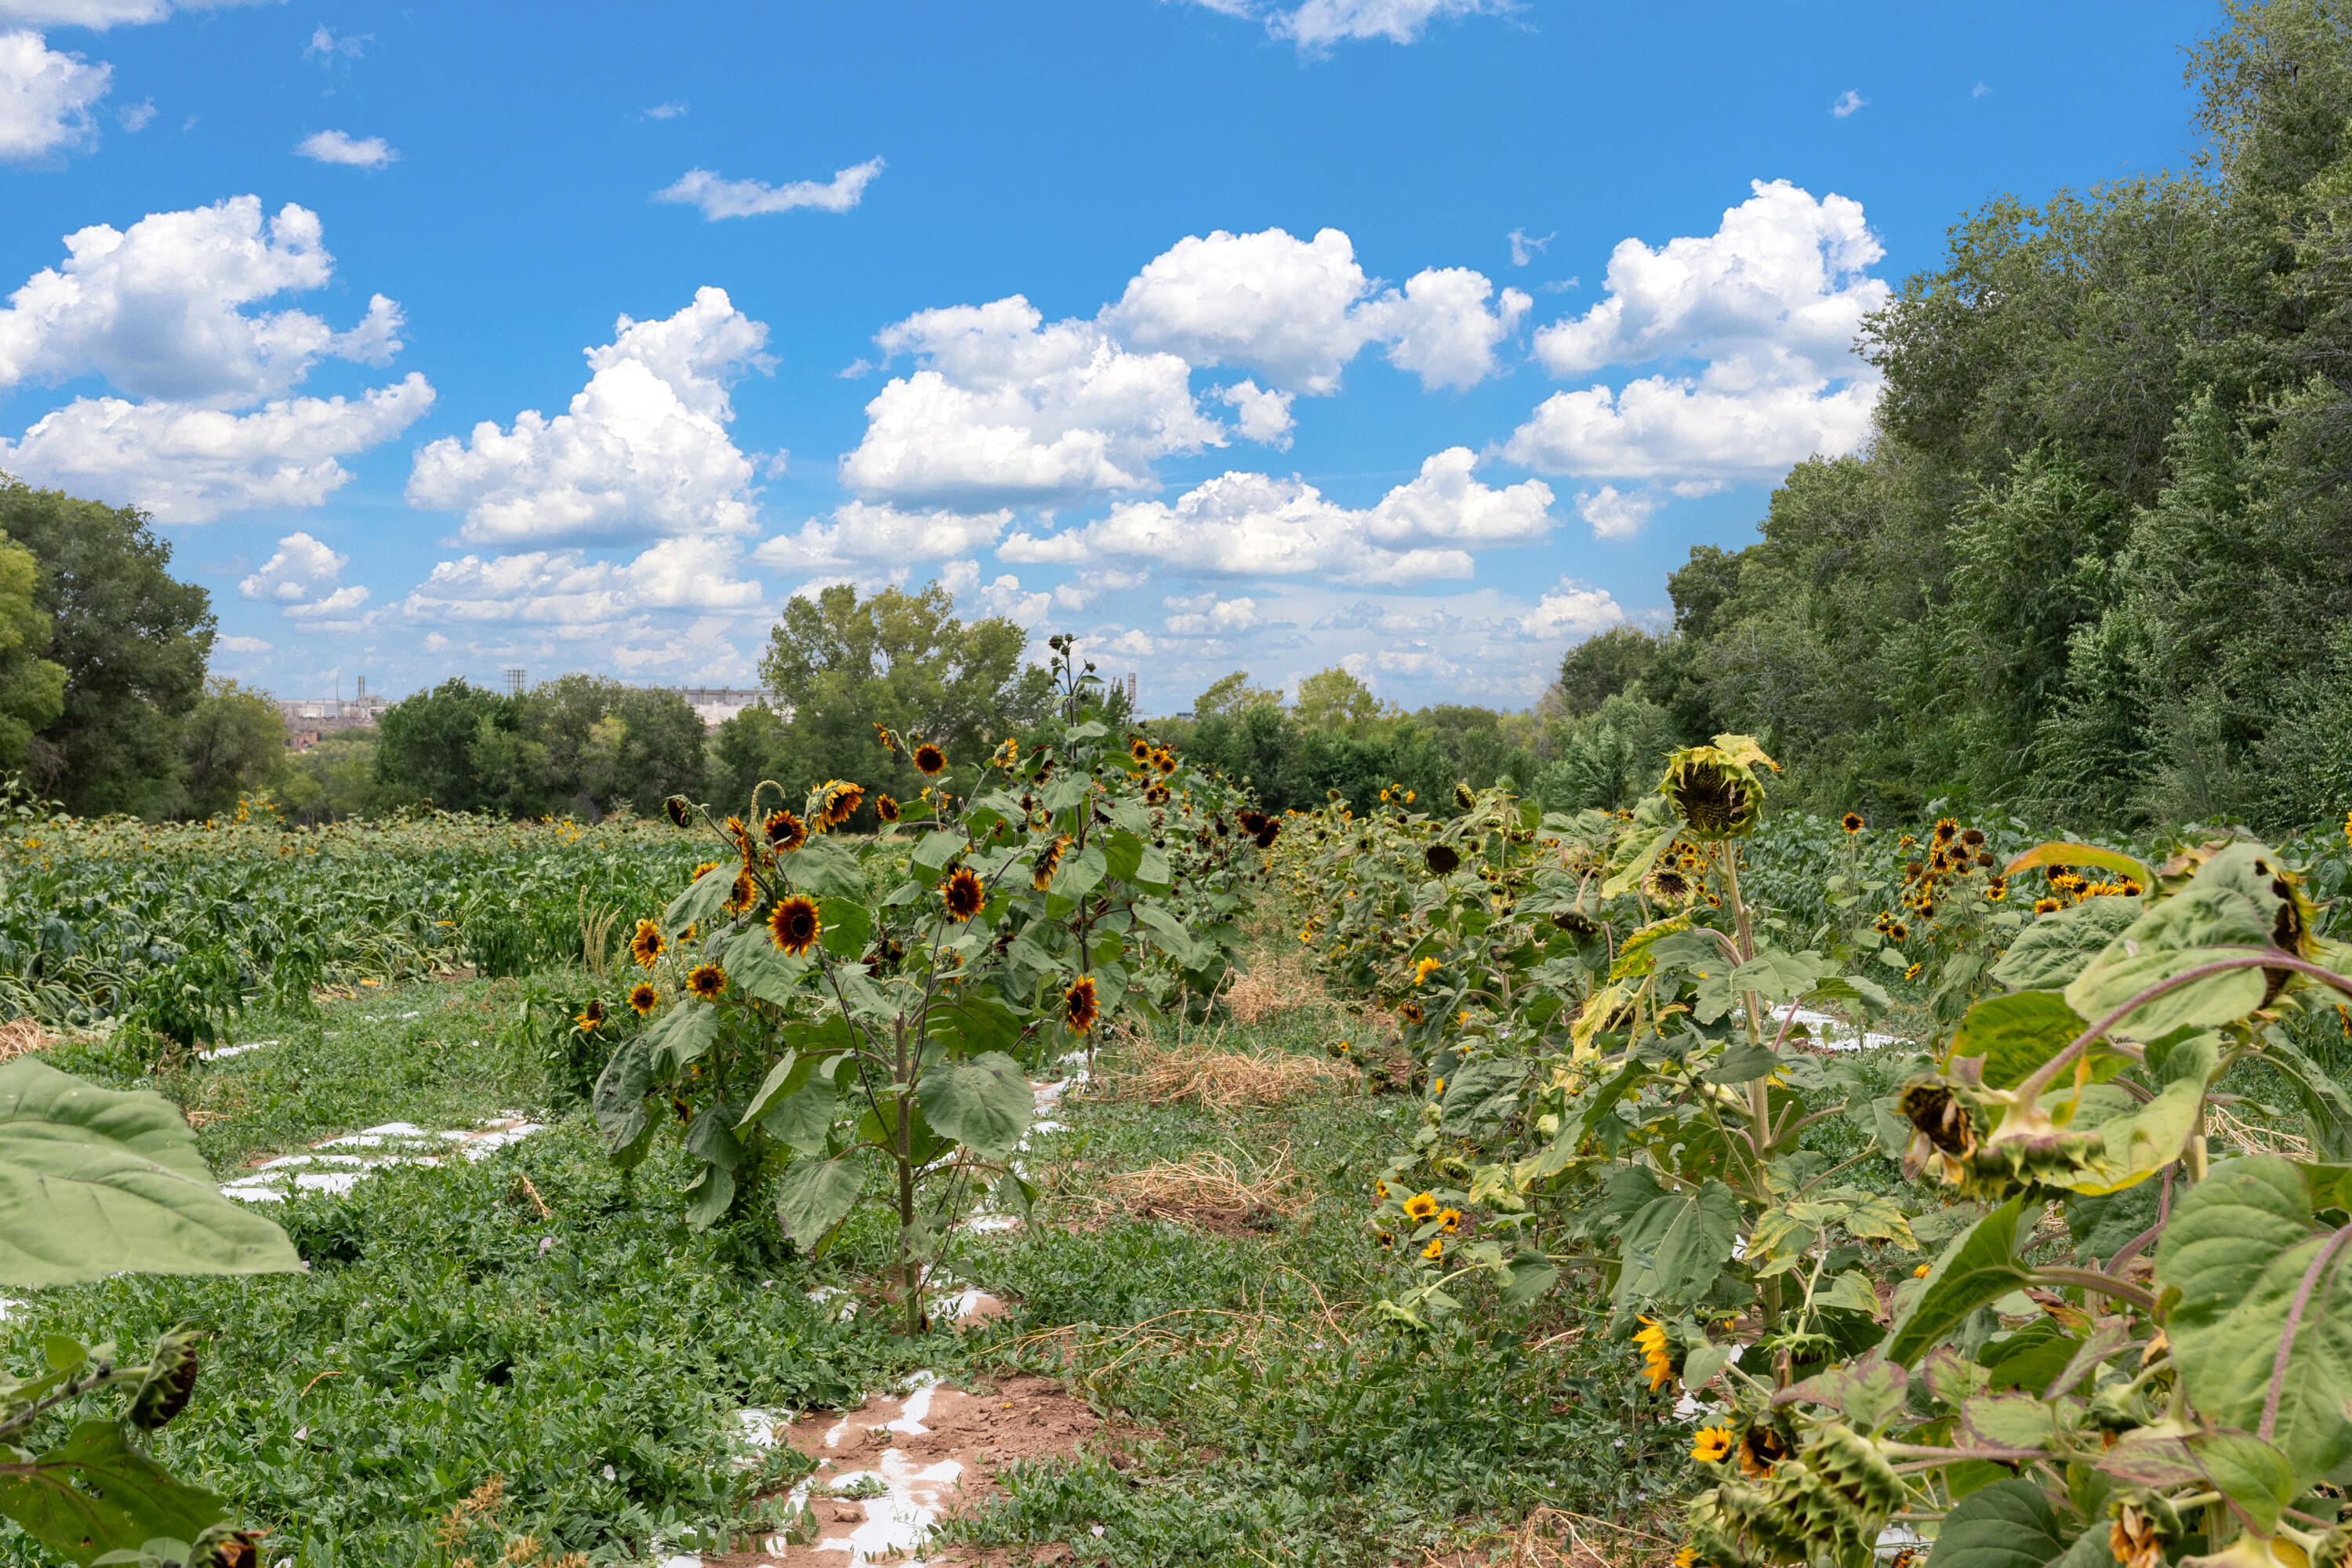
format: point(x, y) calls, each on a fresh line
point(2096, 563)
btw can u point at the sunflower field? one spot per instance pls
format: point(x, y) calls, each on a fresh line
point(1946, 1186)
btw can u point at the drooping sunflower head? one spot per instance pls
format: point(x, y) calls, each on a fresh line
point(705, 981)
point(1465, 797)
point(842, 800)
point(642, 997)
point(646, 944)
point(678, 810)
point(1079, 1004)
point(1760, 1448)
point(929, 760)
point(1669, 884)
point(885, 809)
point(1442, 858)
point(1049, 860)
point(889, 744)
point(739, 835)
point(1714, 789)
point(793, 925)
point(743, 895)
point(964, 893)
point(785, 832)
point(1007, 754)
point(1973, 837)
point(590, 1016)
point(1851, 822)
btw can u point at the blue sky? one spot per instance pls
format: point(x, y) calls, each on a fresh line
point(1421, 336)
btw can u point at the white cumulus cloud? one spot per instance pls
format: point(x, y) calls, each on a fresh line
point(1769, 305)
point(1297, 310)
point(1316, 24)
point(241, 644)
point(642, 452)
point(566, 588)
point(720, 198)
point(187, 464)
point(1006, 410)
point(340, 147)
point(1615, 515)
point(1260, 415)
point(1244, 524)
point(1847, 102)
point(101, 15)
point(300, 569)
point(159, 310)
point(862, 532)
point(45, 96)
point(1207, 615)
point(1570, 610)
point(340, 605)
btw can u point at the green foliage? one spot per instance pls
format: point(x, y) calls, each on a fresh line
point(839, 665)
point(840, 1011)
point(133, 641)
point(232, 746)
point(32, 689)
point(1665, 1143)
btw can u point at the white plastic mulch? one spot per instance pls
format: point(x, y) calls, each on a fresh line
point(897, 1519)
point(339, 1164)
point(1837, 1035)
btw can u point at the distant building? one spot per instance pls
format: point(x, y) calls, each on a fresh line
point(717, 704)
point(309, 718)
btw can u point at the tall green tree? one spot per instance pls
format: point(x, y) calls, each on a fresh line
point(32, 689)
point(839, 665)
point(134, 642)
point(233, 745)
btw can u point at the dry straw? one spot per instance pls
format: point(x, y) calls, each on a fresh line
point(18, 1036)
point(1224, 1081)
point(1210, 1191)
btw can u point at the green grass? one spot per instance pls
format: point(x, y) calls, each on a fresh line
point(446, 1333)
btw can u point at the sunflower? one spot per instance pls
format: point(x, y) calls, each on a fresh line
point(1897, 932)
point(929, 760)
point(963, 893)
point(678, 808)
point(642, 997)
point(1049, 860)
point(1905, 842)
point(1946, 829)
point(2129, 887)
point(1006, 754)
point(700, 867)
point(1253, 822)
point(1712, 1445)
point(1714, 789)
point(1139, 748)
point(883, 735)
point(1973, 837)
point(743, 895)
point(1422, 970)
point(1656, 1365)
point(1667, 884)
point(1442, 858)
point(885, 809)
point(1449, 1220)
point(1079, 1003)
point(2048, 906)
point(842, 800)
point(1420, 1206)
point(1410, 1012)
point(741, 837)
point(1164, 760)
point(1386, 1239)
point(793, 925)
point(785, 832)
point(705, 981)
point(1760, 1449)
point(590, 1016)
point(1996, 888)
point(646, 944)
point(1851, 822)
point(1435, 1250)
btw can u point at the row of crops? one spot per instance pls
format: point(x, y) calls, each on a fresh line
point(179, 925)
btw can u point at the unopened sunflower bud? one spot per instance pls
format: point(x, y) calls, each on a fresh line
point(171, 1379)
